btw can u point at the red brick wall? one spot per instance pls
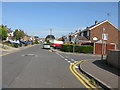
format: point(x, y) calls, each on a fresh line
point(109, 29)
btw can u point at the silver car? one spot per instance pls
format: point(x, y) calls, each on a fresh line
point(46, 46)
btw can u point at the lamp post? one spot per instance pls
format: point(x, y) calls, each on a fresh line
point(74, 43)
point(102, 43)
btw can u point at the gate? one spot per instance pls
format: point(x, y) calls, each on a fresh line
point(98, 48)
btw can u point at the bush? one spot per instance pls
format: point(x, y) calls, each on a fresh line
point(77, 48)
point(57, 46)
point(67, 47)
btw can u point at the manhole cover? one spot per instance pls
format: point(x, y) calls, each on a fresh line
point(29, 55)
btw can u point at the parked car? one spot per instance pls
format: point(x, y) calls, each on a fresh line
point(15, 42)
point(24, 42)
point(46, 46)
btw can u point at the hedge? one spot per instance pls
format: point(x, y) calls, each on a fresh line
point(77, 48)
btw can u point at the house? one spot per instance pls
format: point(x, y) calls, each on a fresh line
point(94, 35)
point(94, 32)
point(28, 38)
point(75, 38)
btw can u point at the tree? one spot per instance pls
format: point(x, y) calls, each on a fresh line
point(49, 37)
point(36, 37)
point(3, 33)
point(36, 41)
point(18, 34)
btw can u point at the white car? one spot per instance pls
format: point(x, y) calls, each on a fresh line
point(46, 46)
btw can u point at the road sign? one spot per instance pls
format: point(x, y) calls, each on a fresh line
point(105, 36)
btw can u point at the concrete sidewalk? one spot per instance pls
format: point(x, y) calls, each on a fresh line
point(102, 73)
point(12, 49)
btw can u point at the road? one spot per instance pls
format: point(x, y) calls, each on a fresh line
point(35, 67)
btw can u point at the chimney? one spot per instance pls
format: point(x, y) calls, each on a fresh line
point(96, 22)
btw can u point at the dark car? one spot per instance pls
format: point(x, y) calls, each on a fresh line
point(24, 42)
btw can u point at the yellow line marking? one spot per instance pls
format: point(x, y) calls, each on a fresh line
point(80, 77)
point(83, 77)
point(5, 54)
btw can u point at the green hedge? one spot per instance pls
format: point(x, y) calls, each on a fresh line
point(77, 48)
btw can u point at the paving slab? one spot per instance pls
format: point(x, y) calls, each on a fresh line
point(103, 73)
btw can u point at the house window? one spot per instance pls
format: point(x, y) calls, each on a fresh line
point(85, 33)
point(88, 33)
point(82, 34)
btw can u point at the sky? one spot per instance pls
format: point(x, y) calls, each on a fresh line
point(37, 18)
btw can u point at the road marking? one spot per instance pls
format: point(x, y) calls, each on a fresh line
point(76, 67)
point(66, 59)
point(6, 54)
point(82, 76)
point(69, 61)
point(82, 79)
point(79, 77)
point(72, 63)
point(75, 61)
point(72, 60)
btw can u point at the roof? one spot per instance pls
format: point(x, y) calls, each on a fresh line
point(98, 24)
point(82, 38)
point(93, 26)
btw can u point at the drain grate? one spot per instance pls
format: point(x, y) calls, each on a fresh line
point(29, 55)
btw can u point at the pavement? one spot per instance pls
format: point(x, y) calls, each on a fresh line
point(12, 49)
point(107, 76)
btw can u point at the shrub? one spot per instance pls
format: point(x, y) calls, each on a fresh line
point(77, 48)
point(67, 47)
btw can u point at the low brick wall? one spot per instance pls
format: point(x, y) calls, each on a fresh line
point(113, 58)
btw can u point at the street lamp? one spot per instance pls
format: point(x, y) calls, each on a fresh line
point(102, 43)
point(74, 43)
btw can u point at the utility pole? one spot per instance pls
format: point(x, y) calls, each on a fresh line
point(74, 43)
point(50, 33)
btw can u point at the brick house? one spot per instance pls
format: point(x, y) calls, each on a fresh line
point(95, 31)
point(93, 35)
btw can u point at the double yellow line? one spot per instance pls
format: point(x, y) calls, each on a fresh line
point(82, 79)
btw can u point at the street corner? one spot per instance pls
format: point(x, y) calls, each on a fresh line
point(91, 69)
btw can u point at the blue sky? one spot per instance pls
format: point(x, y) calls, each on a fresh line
point(37, 18)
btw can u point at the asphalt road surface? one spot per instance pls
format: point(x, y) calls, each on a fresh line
point(35, 67)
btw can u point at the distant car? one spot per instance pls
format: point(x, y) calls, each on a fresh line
point(24, 42)
point(46, 46)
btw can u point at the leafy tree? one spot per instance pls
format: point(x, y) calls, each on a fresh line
point(49, 37)
point(36, 41)
point(36, 37)
point(3, 32)
point(18, 34)
point(48, 41)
